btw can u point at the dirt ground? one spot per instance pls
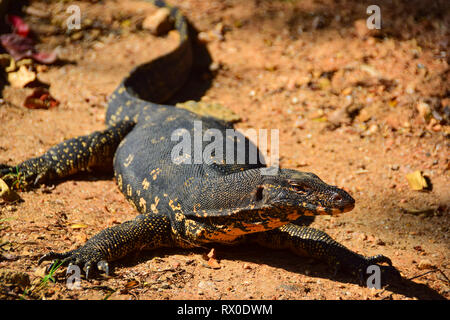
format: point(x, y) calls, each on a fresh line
point(349, 105)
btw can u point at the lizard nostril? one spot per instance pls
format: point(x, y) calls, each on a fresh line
point(336, 197)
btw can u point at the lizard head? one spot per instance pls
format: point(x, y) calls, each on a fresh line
point(304, 191)
point(265, 202)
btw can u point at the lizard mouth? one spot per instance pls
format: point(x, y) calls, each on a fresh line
point(339, 205)
point(335, 211)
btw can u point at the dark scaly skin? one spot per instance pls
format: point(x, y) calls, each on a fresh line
point(185, 205)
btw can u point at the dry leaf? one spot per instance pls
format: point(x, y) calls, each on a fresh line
point(6, 193)
point(131, 284)
point(21, 78)
point(416, 180)
point(78, 226)
point(213, 263)
point(40, 99)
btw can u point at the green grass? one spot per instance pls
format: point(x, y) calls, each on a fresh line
point(19, 178)
point(50, 276)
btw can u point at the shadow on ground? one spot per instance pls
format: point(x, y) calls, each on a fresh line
point(284, 260)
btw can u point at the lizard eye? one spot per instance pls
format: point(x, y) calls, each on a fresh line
point(298, 187)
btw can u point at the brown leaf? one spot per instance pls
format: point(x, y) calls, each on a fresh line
point(131, 284)
point(213, 263)
point(6, 193)
point(40, 99)
point(21, 78)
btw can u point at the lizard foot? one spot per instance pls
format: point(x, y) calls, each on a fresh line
point(79, 257)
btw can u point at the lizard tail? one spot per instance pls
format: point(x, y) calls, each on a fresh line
point(155, 81)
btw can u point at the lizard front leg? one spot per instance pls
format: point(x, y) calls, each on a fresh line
point(306, 241)
point(83, 153)
point(145, 231)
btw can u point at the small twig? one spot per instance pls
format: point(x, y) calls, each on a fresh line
point(443, 274)
point(421, 275)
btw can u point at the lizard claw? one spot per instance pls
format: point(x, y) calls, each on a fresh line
point(79, 257)
point(103, 265)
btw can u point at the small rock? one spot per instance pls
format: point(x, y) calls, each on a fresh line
point(424, 110)
point(206, 285)
point(212, 35)
point(362, 237)
point(159, 23)
point(372, 130)
point(247, 266)
point(214, 66)
point(165, 285)
point(425, 264)
point(339, 117)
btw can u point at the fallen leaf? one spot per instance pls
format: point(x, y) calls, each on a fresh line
point(78, 226)
point(416, 180)
point(21, 78)
point(19, 26)
point(7, 62)
point(21, 47)
point(213, 263)
point(6, 193)
point(40, 99)
point(131, 284)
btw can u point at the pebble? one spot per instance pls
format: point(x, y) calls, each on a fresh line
point(424, 109)
point(206, 285)
point(159, 23)
point(425, 264)
point(214, 66)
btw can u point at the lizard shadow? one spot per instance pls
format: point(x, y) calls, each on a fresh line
point(200, 77)
point(284, 260)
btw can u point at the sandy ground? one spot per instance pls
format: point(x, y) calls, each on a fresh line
point(345, 102)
